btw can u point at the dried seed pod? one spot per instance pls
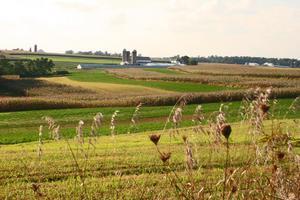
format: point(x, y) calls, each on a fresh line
point(274, 168)
point(36, 189)
point(154, 138)
point(234, 189)
point(280, 155)
point(226, 130)
point(264, 108)
point(184, 137)
point(165, 156)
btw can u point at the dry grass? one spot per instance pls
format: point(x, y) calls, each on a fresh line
point(220, 75)
point(61, 92)
point(30, 103)
point(241, 70)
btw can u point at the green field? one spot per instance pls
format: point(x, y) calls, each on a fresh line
point(129, 167)
point(74, 59)
point(101, 76)
point(69, 62)
point(16, 127)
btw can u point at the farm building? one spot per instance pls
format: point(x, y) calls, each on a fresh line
point(133, 59)
point(268, 64)
point(93, 66)
point(143, 60)
point(252, 64)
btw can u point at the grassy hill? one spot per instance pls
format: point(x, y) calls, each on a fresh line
point(68, 61)
point(130, 167)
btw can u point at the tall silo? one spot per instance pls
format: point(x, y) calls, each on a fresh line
point(128, 56)
point(124, 55)
point(133, 58)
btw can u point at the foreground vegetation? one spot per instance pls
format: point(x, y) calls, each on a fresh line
point(215, 159)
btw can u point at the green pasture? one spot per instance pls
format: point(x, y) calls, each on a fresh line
point(101, 76)
point(16, 127)
point(126, 166)
point(74, 59)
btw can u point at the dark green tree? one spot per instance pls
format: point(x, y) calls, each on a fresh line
point(184, 60)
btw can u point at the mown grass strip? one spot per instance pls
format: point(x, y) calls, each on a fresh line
point(101, 76)
point(17, 127)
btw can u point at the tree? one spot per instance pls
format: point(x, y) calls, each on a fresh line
point(184, 60)
point(69, 52)
point(5, 67)
point(38, 67)
point(193, 61)
point(19, 68)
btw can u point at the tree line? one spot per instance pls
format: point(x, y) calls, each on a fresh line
point(247, 59)
point(238, 60)
point(26, 68)
point(97, 53)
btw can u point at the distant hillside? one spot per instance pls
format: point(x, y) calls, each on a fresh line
point(62, 55)
point(64, 61)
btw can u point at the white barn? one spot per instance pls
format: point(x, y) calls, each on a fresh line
point(89, 66)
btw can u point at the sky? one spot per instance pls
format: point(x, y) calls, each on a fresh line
point(157, 28)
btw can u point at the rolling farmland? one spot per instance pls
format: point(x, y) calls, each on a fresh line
point(86, 135)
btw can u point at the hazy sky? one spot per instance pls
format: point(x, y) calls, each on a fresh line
point(268, 28)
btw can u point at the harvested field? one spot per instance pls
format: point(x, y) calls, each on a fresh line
point(241, 70)
point(240, 77)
